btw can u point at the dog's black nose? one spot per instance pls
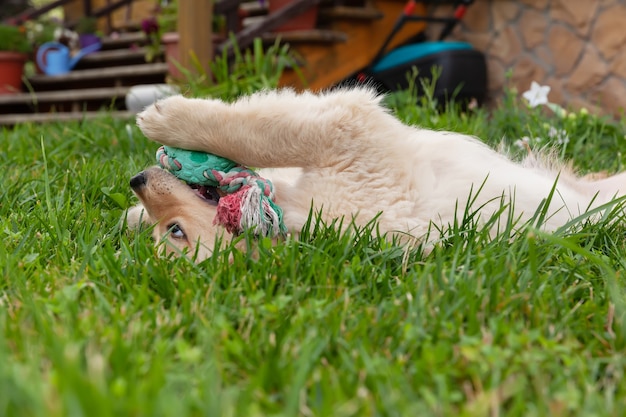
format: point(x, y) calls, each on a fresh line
point(138, 180)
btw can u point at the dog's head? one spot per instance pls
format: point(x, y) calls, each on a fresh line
point(183, 215)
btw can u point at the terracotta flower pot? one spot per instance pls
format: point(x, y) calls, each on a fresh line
point(172, 55)
point(11, 69)
point(305, 21)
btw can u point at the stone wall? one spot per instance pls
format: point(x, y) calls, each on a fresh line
point(577, 47)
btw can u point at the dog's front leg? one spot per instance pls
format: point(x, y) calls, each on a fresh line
point(137, 216)
point(270, 129)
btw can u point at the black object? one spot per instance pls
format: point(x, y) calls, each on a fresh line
point(462, 75)
point(463, 69)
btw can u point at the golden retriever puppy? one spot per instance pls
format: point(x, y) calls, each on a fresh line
point(342, 154)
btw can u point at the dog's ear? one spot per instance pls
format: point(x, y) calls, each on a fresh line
point(136, 216)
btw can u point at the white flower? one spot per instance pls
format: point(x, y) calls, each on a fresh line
point(522, 143)
point(538, 94)
point(562, 137)
point(553, 133)
point(559, 135)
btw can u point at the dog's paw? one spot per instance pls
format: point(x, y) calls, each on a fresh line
point(178, 121)
point(136, 216)
point(163, 118)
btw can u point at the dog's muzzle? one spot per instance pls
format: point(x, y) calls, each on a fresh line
point(138, 181)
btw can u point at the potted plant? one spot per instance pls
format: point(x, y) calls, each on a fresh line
point(41, 30)
point(14, 50)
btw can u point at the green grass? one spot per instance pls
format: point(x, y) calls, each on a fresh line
point(93, 323)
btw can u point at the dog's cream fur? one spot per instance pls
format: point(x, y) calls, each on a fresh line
point(344, 155)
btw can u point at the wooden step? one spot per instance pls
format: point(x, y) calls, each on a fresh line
point(118, 57)
point(106, 56)
point(302, 36)
point(253, 8)
point(12, 119)
point(329, 64)
point(95, 73)
point(124, 40)
point(77, 100)
point(102, 77)
point(100, 81)
point(85, 94)
point(354, 13)
point(129, 26)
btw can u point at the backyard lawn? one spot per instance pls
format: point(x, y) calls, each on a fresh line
point(94, 323)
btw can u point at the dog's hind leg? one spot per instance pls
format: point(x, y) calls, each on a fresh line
point(273, 129)
point(607, 188)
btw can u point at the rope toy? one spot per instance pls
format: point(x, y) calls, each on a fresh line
point(249, 200)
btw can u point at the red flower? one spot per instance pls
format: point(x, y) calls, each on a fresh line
point(149, 26)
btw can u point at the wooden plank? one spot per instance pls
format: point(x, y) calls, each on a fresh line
point(11, 119)
point(98, 73)
point(325, 66)
point(245, 37)
point(117, 55)
point(253, 8)
point(63, 96)
point(299, 36)
point(124, 39)
point(346, 12)
point(196, 37)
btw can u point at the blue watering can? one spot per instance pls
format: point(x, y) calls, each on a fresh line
point(54, 58)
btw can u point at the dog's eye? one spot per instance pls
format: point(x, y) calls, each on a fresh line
point(176, 231)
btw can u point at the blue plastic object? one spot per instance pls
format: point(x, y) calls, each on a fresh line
point(54, 58)
point(408, 53)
